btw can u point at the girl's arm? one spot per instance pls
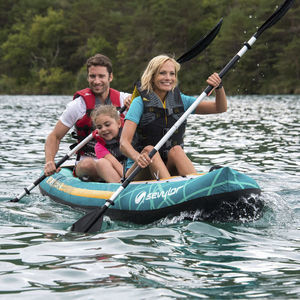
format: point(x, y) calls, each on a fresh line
point(115, 163)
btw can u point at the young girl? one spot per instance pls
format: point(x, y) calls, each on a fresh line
point(108, 130)
point(107, 121)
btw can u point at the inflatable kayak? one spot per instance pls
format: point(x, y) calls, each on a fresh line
point(221, 195)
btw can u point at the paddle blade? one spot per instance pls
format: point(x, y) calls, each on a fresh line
point(276, 16)
point(91, 222)
point(201, 45)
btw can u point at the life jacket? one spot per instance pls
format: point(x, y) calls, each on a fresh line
point(113, 146)
point(84, 126)
point(157, 120)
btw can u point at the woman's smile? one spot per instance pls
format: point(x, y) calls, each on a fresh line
point(164, 79)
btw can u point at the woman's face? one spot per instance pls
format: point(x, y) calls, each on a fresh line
point(164, 80)
point(108, 127)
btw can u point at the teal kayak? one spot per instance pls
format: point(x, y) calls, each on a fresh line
point(221, 195)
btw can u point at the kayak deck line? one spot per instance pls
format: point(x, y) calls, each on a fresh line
point(84, 192)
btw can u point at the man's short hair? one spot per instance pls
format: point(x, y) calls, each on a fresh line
point(99, 60)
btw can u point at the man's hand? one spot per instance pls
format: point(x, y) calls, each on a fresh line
point(50, 168)
point(127, 101)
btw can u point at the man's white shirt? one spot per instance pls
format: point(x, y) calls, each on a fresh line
point(76, 109)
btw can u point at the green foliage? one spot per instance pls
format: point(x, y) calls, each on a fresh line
point(49, 81)
point(44, 44)
point(98, 45)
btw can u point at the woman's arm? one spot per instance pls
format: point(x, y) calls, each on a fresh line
point(142, 159)
point(220, 103)
point(126, 139)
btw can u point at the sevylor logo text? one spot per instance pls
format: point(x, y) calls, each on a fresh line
point(142, 196)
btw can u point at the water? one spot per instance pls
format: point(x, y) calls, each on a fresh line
point(171, 259)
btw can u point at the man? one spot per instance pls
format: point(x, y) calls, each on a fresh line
point(77, 113)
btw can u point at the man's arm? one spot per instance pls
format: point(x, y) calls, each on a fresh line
point(52, 146)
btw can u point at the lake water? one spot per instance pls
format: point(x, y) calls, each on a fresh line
point(173, 258)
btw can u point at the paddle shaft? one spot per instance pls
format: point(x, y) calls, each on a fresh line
point(276, 16)
point(58, 164)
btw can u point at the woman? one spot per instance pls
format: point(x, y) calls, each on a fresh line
point(158, 107)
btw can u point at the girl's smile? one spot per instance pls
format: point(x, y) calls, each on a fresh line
point(108, 127)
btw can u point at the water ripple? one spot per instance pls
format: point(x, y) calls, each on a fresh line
point(173, 258)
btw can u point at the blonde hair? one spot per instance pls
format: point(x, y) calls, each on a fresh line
point(153, 68)
point(107, 110)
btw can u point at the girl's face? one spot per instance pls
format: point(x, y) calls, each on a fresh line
point(108, 127)
point(164, 79)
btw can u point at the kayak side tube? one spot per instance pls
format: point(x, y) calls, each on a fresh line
point(221, 195)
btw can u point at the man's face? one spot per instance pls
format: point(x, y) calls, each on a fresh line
point(99, 79)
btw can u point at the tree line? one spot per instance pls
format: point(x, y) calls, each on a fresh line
point(44, 44)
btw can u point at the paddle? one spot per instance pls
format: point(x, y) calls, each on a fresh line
point(195, 49)
point(92, 221)
point(200, 45)
point(59, 163)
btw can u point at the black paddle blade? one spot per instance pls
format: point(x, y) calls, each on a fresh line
point(276, 16)
point(91, 222)
point(201, 45)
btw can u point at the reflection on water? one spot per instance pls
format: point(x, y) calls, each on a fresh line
point(172, 258)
